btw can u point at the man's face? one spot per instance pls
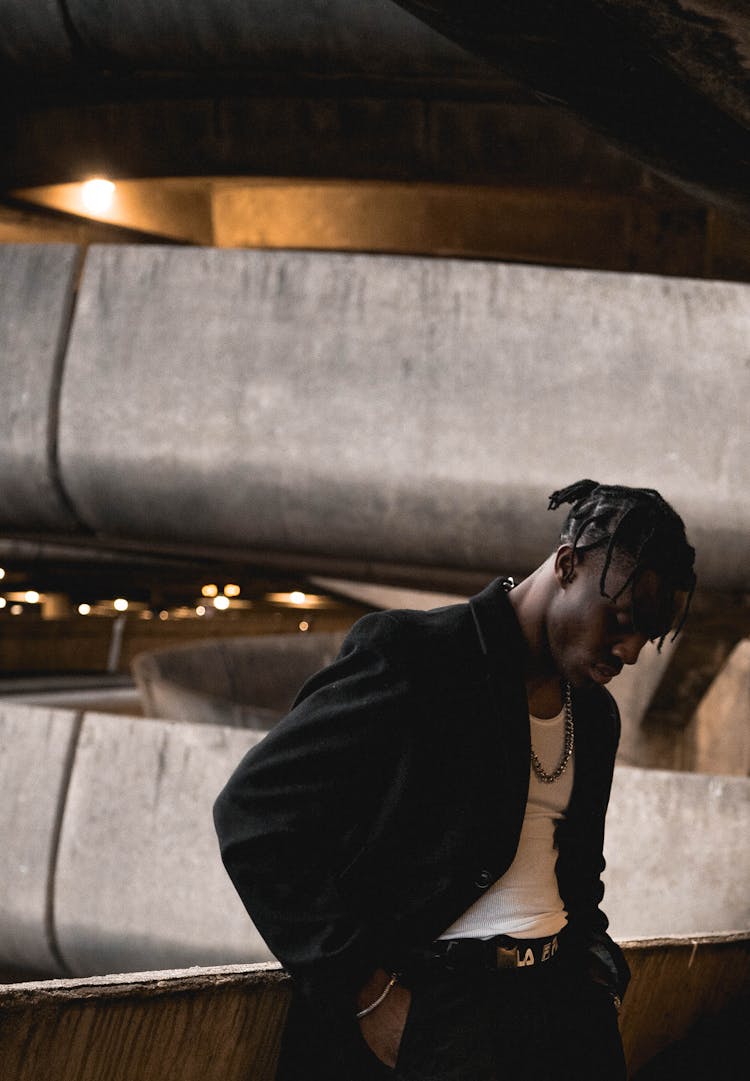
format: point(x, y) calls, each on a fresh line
point(591, 637)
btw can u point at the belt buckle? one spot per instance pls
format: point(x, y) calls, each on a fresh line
point(506, 956)
point(524, 954)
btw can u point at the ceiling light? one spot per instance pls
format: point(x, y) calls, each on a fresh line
point(222, 603)
point(121, 605)
point(84, 609)
point(97, 195)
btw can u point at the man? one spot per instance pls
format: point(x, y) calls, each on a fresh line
point(420, 840)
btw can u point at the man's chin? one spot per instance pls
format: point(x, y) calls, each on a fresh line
point(603, 674)
point(591, 676)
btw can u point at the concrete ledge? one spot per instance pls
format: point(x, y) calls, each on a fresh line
point(225, 1024)
point(140, 883)
point(244, 682)
point(35, 755)
point(678, 860)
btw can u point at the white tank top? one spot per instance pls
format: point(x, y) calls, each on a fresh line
point(526, 902)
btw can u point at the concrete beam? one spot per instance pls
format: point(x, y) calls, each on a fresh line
point(35, 307)
point(401, 409)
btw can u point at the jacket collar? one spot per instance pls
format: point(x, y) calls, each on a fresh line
point(500, 639)
point(498, 629)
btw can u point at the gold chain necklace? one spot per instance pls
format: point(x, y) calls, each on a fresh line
point(550, 778)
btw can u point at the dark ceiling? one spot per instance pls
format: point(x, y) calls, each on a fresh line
point(341, 89)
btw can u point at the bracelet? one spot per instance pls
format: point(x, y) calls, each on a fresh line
point(381, 997)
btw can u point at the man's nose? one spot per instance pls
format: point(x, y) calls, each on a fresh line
point(628, 648)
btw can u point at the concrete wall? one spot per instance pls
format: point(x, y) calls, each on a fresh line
point(246, 682)
point(678, 861)
point(374, 409)
point(114, 865)
point(110, 850)
point(36, 748)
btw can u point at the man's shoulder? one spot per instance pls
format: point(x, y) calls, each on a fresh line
point(410, 628)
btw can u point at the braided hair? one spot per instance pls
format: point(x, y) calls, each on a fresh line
point(636, 523)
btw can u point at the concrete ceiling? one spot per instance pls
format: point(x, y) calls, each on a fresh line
point(489, 92)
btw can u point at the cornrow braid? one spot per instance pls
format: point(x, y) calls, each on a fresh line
point(636, 522)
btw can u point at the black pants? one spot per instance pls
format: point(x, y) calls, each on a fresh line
point(547, 1023)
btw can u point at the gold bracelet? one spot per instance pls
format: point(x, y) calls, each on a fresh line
point(381, 997)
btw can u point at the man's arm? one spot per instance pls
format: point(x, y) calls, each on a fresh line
point(299, 807)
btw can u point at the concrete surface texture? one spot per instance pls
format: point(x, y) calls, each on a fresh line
point(35, 757)
point(225, 1024)
point(246, 682)
point(391, 408)
point(35, 303)
point(139, 882)
point(720, 727)
point(678, 861)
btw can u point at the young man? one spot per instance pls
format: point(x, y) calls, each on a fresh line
point(420, 840)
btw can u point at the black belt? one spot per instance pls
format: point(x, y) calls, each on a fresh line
point(502, 951)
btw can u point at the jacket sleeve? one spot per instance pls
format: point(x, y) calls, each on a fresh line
point(580, 841)
point(299, 806)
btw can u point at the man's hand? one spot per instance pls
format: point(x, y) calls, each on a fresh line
point(383, 1028)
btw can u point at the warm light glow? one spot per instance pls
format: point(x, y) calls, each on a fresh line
point(121, 605)
point(163, 614)
point(231, 590)
point(16, 609)
point(209, 590)
point(84, 609)
point(147, 614)
point(222, 603)
point(97, 195)
point(31, 596)
point(304, 625)
point(3, 602)
point(2, 573)
point(297, 597)
point(200, 610)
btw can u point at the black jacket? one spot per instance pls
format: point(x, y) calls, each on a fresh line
point(393, 794)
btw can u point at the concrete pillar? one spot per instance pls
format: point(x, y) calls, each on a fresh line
point(720, 727)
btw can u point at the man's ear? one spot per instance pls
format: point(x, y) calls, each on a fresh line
point(565, 565)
